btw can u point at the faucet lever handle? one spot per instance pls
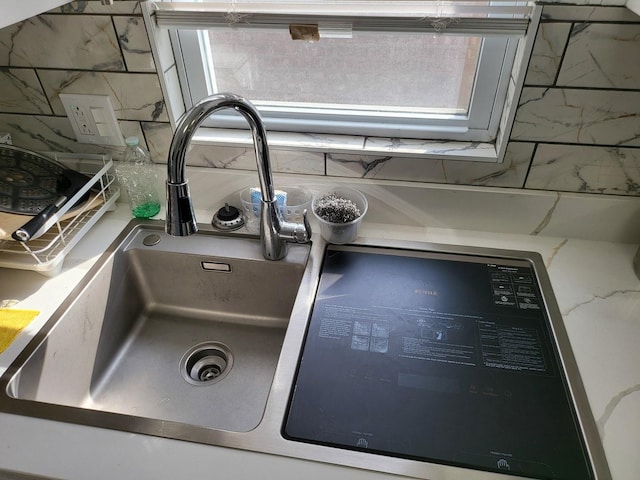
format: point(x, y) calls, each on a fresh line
point(307, 225)
point(298, 232)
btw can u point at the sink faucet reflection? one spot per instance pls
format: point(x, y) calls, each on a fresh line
point(274, 231)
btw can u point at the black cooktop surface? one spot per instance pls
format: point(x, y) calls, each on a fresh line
point(446, 358)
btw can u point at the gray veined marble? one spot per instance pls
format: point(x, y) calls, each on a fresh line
point(54, 134)
point(589, 13)
point(547, 53)
point(241, 158)
point(20, 92)
point(134, 96)
point(575, 168)
point(39, 133)
point(158, 136)
point(119, 7)
point(291, 161)
point(613, 403)
point(549, 260)
point(595, 117)
point(383, 167)
point(510, 173)
point(602, 56)
point(61, 41)
point(237, 158)
point(544, 223)
point(436, 149)
point(135, 44)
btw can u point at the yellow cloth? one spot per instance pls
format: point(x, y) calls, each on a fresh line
point(12, 322)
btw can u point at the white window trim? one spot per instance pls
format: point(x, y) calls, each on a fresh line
point(481, 124)
point(345, 144)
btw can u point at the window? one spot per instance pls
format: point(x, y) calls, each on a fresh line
point(408, 69)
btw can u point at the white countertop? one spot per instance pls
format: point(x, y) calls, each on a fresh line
point(587, 244)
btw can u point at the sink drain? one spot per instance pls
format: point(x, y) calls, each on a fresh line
point(206, 363)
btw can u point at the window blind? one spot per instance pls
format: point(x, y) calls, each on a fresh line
point(473, 17)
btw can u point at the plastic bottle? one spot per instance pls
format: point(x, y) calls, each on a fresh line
point(138, 175)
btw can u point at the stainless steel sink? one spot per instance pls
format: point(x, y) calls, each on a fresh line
point(199, 339)
point(185, 330)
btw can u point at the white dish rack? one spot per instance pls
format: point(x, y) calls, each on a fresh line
point(46, 252)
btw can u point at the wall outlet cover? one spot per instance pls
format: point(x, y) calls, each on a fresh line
point(93, 119)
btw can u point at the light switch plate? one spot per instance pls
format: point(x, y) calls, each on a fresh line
point(92, 118)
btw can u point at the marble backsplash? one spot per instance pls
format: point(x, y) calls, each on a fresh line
point(577, 124)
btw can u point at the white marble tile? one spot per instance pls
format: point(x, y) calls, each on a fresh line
point(433, 148)
point(547, 53)
point(62, 41)
point(585, 13)
point(386, 168)
point(586, 169)
point(20, 92)
point(239, 158)
point(158, 136)
point(119, 7)
point(510, 173)
point(574, 259)
point(624, 418)
point(311, 141)
point(600, 288)
point(39, 133)
point(602, 56)
point(597, 217)
point(578, 116)
point(135, 96)
point(290, 161)
point(465, 208)
point(135, 44)
point(54, 134)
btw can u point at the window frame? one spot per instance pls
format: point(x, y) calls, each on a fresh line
point(169, 67)
point(479, 125)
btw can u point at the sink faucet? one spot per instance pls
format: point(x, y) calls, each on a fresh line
point(275, 233)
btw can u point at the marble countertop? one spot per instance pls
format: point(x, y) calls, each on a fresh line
point(590, 267)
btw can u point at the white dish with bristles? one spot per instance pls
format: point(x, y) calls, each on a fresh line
point(339, 212)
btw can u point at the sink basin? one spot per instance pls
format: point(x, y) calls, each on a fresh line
point(185, 330)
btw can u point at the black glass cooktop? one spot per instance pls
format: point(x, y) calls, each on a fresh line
point(445, 358)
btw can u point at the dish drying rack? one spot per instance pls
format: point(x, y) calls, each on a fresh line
point(46, 252)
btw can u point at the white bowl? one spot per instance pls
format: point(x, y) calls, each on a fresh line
point(341, 232)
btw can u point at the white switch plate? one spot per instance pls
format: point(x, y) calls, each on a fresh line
point(92, 118)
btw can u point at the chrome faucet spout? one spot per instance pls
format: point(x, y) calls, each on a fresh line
point(274, 231)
